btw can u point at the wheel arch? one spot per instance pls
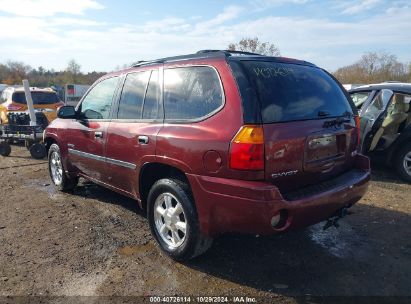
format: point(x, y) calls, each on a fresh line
point(48, 141)
point(154, 171)
point(403, 139)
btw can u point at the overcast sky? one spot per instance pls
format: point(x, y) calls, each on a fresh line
point(103, 34)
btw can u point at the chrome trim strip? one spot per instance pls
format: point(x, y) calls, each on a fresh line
point(103, 159)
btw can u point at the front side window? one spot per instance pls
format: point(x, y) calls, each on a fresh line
point(131, 101)
point(97, 103)
point(191, 92)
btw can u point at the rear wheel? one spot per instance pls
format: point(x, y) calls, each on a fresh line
point(403, 162)
point(56, 170)
point(5, 148)
point(173, 220)
point(38, 151)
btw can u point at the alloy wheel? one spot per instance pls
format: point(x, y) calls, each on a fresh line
point(56, 168)
point(407, 163)
point(170, 220)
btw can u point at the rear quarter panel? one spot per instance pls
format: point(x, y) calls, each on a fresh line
point(184, 145)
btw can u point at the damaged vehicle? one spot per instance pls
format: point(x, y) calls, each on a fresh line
point(386, 125)
point(215, 142)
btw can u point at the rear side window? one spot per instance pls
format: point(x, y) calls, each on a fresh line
point(191, 92)
point(131, 101)
point(39, 98)
point(289, 92)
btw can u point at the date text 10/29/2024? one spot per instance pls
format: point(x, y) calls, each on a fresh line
point(199, 299)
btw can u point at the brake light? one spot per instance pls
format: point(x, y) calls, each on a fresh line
point(358, 126)
point(247, 148)
point(13, 107)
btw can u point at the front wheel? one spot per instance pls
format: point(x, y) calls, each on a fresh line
point(403, 162)
point(56, 170)
point(173, 220)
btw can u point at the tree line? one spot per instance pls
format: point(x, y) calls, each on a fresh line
point(13, 72)
point(372, 67)
point(375, 67)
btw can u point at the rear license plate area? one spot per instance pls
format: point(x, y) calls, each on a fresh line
point(324, 150)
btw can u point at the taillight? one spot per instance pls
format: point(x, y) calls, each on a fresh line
point(247, 148)
point(358, 127)
point(13, 107)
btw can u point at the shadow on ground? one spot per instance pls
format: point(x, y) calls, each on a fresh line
point(368, 255)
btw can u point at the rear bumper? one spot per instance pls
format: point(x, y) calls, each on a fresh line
point(226, 205)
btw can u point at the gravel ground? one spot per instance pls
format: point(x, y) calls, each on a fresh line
point(94, 242)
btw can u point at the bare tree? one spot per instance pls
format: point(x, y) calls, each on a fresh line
point(254, 45)
point(72, 71)
point(73, 67)
point(373, 67)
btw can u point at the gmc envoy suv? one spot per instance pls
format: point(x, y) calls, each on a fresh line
point(215, 142)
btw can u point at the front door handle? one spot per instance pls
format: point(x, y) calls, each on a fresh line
point(98, 134)
point(142, 139)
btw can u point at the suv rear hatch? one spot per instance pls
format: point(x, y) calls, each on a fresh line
point(309, 125)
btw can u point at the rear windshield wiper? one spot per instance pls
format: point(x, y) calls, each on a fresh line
point(336, 122)
point(323, 113)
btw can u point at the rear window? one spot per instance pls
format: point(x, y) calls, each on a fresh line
point(38, 98)
point(289, 92)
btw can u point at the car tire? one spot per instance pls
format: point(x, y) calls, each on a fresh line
point(403, 162)
point(5, 148)
point(56, 171)
point(38, 151)
point(173, 220)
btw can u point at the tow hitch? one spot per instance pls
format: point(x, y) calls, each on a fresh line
point(333, 220)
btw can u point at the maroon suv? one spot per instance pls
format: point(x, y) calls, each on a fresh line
point(215, 142)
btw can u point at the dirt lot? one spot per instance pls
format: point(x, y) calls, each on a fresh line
point(96, 242)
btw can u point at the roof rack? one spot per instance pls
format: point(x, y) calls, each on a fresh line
point(145, 62)
point(228, 52)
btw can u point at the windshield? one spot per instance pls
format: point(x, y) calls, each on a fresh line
point(359, 98)
point(38, 98)
point(289, 92)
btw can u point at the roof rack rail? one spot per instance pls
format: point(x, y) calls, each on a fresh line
point(144, 62)
point(199, 54)
point(228, 52)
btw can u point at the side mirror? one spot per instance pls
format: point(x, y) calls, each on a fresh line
point(66, 112)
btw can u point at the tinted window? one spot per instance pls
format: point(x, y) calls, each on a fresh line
point(152, 97)
point(295, 92)
point(97, 103)
point(38, 97)
point(132, 97)
point(191, 92)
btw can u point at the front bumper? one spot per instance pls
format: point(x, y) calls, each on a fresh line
point(226, 205)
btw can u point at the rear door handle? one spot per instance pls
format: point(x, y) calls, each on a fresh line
point(98, 134)
point(142, 139)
